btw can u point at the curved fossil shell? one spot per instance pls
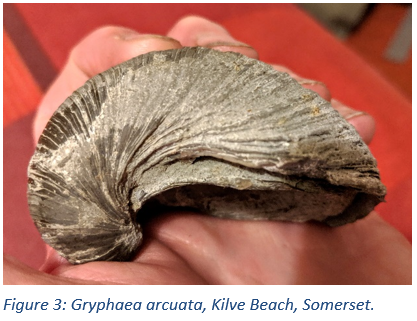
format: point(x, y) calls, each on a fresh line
point(193, 127)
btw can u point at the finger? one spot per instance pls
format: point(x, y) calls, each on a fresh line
point(363, 122)
point(15, 272)
point(315, 85)
point(196, 31)
point(110, 46)
point(102, 49)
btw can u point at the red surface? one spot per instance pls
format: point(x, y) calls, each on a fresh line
point(282, 34)
point(59, 26)
point(373, 38)
point(14, 72)
point(20, 236)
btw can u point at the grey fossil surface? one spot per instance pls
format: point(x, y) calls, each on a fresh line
point(196, 128)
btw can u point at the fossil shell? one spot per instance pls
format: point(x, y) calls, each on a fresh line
point(193, 127)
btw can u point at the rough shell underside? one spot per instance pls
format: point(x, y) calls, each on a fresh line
point(193, 127)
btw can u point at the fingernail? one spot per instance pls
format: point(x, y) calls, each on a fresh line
point(356, 114)
point(345, 111)
point(311, 82)
point(317, 86)
point(127, 35)
point(163, 38)
point(233, 46)
point(135, 35)
point(227, 44)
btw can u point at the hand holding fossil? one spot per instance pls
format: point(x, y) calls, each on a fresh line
point(194, 249)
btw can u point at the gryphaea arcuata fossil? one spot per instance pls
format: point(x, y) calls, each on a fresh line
point(218, 132)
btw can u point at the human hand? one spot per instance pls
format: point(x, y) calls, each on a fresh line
point(188, 248)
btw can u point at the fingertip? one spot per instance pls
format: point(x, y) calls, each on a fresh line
point(197, 31)
point(288, 71)
point(187, 29)
point(144, 43)
point(242, 48)
point(364, 123)
point(109, 46)
point(314, 85)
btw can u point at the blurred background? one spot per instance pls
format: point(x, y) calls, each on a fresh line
point(380, 33)
point(361, 51)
